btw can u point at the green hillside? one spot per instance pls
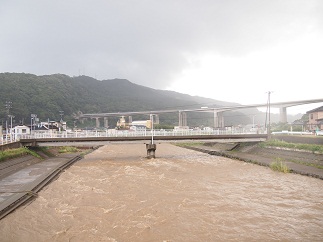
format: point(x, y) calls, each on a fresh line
point(47, 95)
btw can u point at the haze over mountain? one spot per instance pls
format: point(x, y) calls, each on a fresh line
point(229, 50)
point(47, 95)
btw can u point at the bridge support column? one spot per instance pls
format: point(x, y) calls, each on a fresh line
point(283, 114)
point(151, 148)
point(218, 119)
point(97, 122)
point(156, 119)
point(106, 122)
point(182, 119)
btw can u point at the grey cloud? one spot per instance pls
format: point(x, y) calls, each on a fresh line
point(144, 41)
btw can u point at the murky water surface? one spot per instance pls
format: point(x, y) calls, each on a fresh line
point(115, 194)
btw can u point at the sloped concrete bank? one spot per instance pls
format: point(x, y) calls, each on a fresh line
point(9, 166)
point(303, 163)
point(21, 179)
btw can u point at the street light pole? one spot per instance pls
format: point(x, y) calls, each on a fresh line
point(151, 148)
point(152, 128)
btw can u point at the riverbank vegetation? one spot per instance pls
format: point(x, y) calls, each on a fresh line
point(282, 144)
point(279, 165)
point(185, 144)
point(18, 152)
point(68, 149)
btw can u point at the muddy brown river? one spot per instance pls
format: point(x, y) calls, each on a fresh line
point(116, 194)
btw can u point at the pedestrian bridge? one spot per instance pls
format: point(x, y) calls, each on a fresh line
point(76, 138)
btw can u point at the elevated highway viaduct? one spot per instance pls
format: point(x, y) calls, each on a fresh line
point(218, 112)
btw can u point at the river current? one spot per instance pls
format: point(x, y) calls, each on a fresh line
point(116, 194)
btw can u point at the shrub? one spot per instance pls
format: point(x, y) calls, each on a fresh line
point(68, 149)
point(278, 165)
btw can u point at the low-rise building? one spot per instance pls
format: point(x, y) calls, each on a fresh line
point(142, 123)
point(20, 130)
point(315, 119)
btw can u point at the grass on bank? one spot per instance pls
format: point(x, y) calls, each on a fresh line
point(185, 144)
point(18, 152)
point(307, 147)
point(307, 164)
point(279, 165)
point(44, 150)
point(67, 149)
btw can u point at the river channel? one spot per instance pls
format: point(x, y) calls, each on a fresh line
point(116, 194)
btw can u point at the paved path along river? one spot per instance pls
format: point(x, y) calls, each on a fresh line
point(116, 194)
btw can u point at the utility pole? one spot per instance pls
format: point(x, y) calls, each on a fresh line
point(268, 103)
point(8, 106)
point(61, 113)
point(253, 121)
point(11, 117)
point(32, 122)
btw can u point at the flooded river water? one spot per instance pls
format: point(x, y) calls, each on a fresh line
point(116, 194)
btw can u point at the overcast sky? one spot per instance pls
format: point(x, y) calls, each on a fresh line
point(229, 50)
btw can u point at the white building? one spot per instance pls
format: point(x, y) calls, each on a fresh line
point(61, 125)
point(142, 123)
point(20, 130)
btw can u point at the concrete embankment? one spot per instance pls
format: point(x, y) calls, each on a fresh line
point(304, 163)
point(20, 182)
point(10, 146)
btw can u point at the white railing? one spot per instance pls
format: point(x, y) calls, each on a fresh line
point(319, 132)
point(293, 132)
point(127, 133)
point(5, 139)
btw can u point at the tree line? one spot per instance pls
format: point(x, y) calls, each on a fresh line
point(50, 95)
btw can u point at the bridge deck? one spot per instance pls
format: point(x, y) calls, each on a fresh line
point(34, 142)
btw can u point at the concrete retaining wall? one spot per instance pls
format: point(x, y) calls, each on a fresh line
point(10, 146)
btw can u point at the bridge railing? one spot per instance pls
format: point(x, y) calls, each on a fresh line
point(128, 133)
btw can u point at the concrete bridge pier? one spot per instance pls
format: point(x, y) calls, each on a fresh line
point(156, 119)
point(151, 148)
point(106, 122)
point(97, 122)
point(283, 114)
point(218, 119)
point(182, 119)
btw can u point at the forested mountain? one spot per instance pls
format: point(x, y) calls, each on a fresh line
point(47, 95)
